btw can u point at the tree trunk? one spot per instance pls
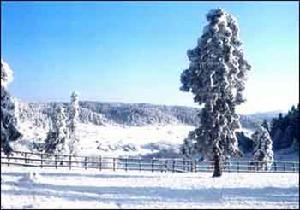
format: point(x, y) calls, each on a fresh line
point(217, 162)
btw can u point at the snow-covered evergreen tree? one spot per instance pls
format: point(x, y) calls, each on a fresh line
point(9, 131)
point(216, 76)
point(57, 137)
point(265, 124)
point(188, 148)
point(263, 151)
point(73, 123)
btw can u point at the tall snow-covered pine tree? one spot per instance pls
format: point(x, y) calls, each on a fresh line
point(9, 131)
point(57, 137)
point(73, 123)
point(216, 76)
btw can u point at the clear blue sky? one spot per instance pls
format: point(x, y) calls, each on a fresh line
point(136, 51)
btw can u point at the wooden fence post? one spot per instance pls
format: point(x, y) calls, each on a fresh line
point(294, 168)
point(166, 165)
point(56, 161)
point(70, 162)
point(152, 165)
point(8, 159)
point(238, 166)
point(284, 166)
point(85, 162)
point(173, 166)
point(140, 164)
point(126, 164)
point(25, 154)
point(114, 164)
point(249, 166)
point(41, 160)
point(100, 165)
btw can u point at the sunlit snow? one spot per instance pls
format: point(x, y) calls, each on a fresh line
point(50, 188)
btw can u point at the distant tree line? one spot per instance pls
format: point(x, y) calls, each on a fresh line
point(284, 130)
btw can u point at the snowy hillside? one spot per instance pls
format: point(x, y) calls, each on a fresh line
point(140, 114)
point(50, 188)
point(117, 129)
point(115, 140)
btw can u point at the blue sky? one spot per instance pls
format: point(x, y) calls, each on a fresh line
point(136, 51)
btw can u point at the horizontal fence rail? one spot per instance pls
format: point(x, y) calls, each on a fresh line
point(42, 160)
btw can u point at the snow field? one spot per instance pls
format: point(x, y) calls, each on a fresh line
point(115, 140)
point(50, 188)
point(129, 140)
point(126, 140)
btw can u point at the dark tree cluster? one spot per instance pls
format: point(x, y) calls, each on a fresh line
point(285, 130)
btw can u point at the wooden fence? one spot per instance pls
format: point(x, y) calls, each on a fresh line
point(42, 160)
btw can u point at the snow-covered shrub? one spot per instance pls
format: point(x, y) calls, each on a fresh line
point(263, 150)
point(57, 137)
point(216, 76)
point(9, 130)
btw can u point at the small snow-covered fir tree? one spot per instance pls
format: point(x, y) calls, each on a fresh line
point(57, 137)
point(188, 148)
point(216, 76)
point(265, 124)
point(73, 123)
point(263, 150)
point(9, 131)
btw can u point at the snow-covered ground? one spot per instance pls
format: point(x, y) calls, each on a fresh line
point(51, 188)
point(131, 140)
point(115, 140)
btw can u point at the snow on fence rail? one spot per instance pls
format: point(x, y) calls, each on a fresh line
point(29, 159)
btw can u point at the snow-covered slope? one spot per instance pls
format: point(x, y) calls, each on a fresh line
point(132, 140)
point(116, 140)
point(115, 128)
